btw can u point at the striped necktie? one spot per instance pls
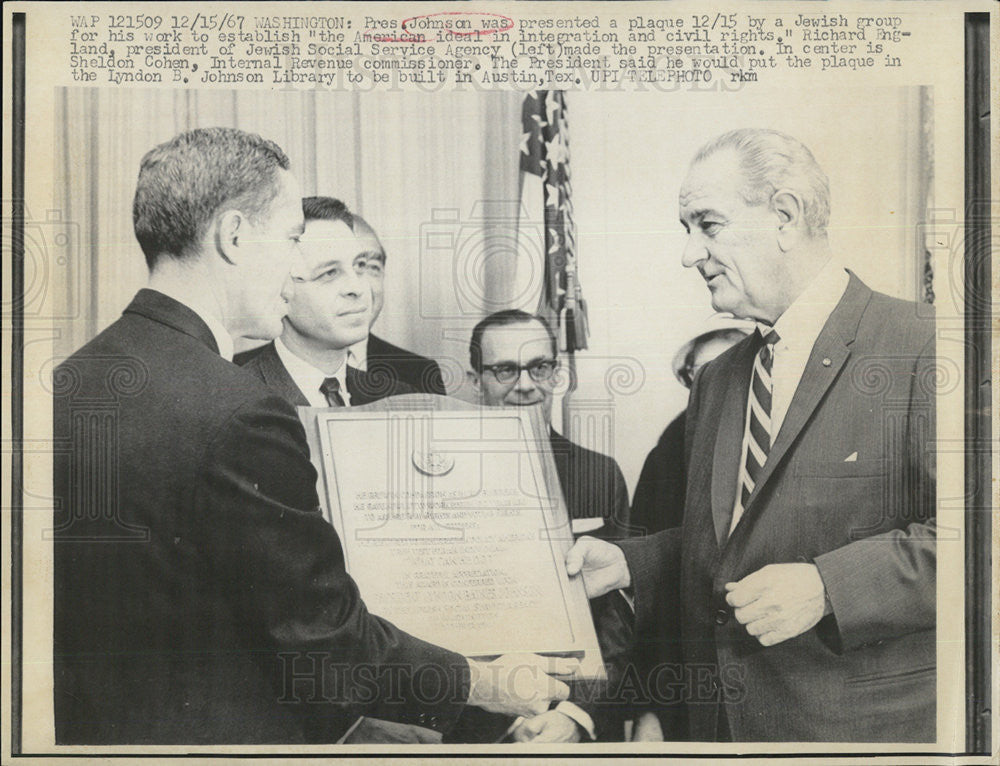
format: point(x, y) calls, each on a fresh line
point(331, 390)
point(757, 433)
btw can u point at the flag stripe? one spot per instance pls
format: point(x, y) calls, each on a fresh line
point(545, 154)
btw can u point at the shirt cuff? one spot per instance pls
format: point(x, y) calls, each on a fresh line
point(571, 710)
point(629, 596)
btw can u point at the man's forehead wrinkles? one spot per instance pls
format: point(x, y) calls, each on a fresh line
point(690, 213)
point(691, 194)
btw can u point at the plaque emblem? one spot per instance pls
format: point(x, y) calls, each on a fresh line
point(432, 463)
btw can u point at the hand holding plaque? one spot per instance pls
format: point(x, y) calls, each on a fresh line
point(601, 564)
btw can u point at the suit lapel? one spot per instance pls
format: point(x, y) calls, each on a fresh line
point(729, 437)
point(366, 388)
point(276, 377)
point(829, 354)
point(356, 386)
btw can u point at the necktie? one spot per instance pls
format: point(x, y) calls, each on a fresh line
point(757, 434)
point(331, 390)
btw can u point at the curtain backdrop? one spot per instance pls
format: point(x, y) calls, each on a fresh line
point(437, 176)
point(404, 161)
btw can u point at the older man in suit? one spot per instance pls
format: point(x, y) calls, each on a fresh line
point(805, 566)
point(200, 596)
point(330, 307)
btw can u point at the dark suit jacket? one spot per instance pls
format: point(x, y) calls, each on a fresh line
point(200, 596)
point(658, 501)
point(398, 364)
point(363, 387)
point(592, 484)
point(867, 672)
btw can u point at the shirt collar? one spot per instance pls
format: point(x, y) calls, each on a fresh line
point(223, 340)
point(802, 322)
point(306, 377)
point(222, 337)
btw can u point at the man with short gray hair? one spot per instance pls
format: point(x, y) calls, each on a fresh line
point(806, 562)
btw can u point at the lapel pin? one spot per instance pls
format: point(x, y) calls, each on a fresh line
point(827, 362)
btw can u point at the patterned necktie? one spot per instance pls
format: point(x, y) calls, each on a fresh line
point(757, 434)
point(331, 390)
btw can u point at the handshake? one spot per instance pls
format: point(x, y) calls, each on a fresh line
point(527, 685)
point(774, 603)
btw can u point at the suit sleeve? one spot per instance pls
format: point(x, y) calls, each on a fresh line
point(621, 505)
point(884, 586)
point(284, 567)
point(654, 562)
point(615, 506)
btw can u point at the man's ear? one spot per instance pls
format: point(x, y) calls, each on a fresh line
point(474, 380)
point(787, 205)
point(229, 227)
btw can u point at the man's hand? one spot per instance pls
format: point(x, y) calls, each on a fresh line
point(519, 684)
point(779, 601)
point(551, 726)
point(647, 728)
point(601, 563)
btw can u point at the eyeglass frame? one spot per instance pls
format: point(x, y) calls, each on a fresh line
point(532, 369)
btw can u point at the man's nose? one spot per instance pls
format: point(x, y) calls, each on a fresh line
point(355, 284)
point(524, 381)
point(287, 288)
point(297, 266)
point(694, 252)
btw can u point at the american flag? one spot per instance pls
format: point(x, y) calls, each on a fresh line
point(546, 195)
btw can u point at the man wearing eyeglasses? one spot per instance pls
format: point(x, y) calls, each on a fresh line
point(514, 364)
point(329, 309)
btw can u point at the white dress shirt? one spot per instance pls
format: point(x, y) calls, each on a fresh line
point(309, 378)
point(798, 328)
point(222, 337)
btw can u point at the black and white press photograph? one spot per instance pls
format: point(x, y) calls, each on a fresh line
point(472, 421)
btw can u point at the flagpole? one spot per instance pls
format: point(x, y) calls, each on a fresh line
point(567, 333)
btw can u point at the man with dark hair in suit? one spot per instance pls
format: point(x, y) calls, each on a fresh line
point(199, 594)
point(806, 563)
point(329, 308)
point(374, 354)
